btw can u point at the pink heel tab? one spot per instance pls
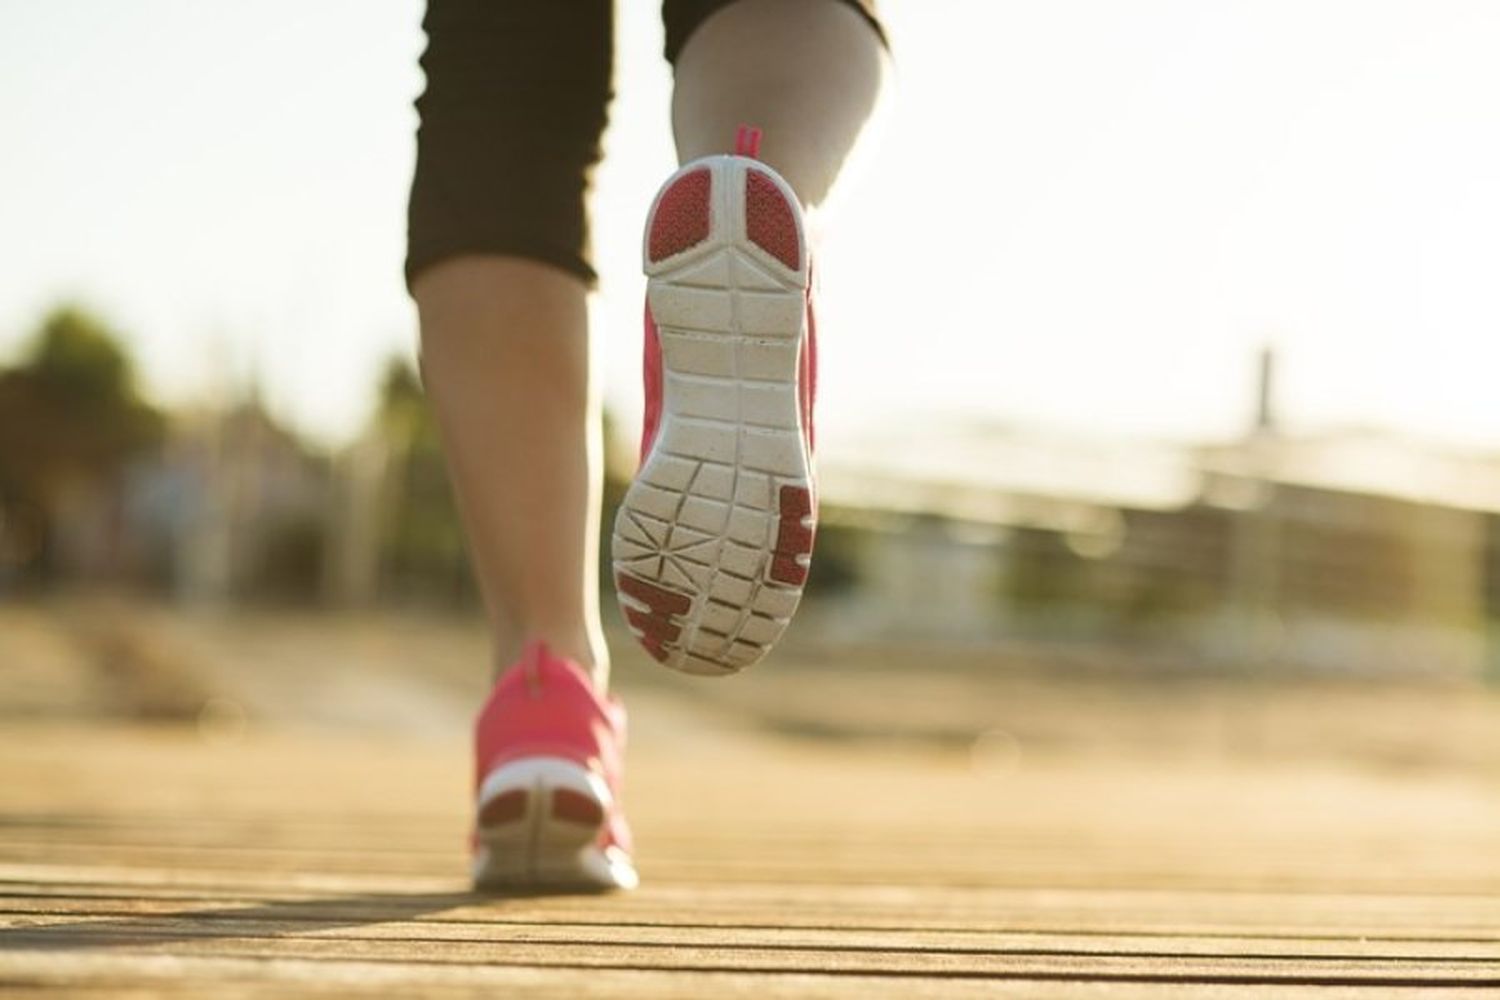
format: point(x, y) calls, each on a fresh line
point(533, 665)
point(747, 142)
point(537, 660)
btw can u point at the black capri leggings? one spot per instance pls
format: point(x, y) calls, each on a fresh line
point(511, 119)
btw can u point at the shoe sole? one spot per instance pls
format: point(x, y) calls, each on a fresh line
point(538, 827)
point(713, 539)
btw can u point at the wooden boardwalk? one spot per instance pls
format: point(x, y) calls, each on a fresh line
point(140, 861)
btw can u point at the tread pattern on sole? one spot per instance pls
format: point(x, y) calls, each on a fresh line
point(712, 541)
point(681, 220)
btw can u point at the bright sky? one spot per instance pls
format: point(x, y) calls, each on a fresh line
point(1083, 213)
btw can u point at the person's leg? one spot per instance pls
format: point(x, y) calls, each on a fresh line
point(806, 72)
point(505, 356)
point(498, 264)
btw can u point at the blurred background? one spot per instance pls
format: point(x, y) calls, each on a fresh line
point(1158, 406)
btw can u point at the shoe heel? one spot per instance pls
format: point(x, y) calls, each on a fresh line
point(539, 822)
point(681, 216)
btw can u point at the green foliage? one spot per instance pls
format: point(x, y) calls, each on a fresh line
point(80, 359)
point(71, 418)
point(71, 409)
point(423, 541)
point(836, 559)
point(403, 413)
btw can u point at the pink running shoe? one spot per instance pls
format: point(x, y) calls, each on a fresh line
point(548, 756)
point(712, 542)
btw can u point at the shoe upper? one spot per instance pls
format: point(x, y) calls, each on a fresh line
point(546, 706)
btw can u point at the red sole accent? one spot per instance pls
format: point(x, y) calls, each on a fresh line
point(657, 598)
point(569, 806)
point(682, 218)
point(769, 222)
point(657, 627)
point(509, 807)
point(793, 537)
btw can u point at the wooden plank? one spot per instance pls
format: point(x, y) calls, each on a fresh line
point(937, 911)
point(577, 960)
point(275, 865)
point(66, 924)
point(149, 976)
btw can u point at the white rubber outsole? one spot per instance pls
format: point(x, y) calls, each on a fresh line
point(540, 840)
point(712, 541)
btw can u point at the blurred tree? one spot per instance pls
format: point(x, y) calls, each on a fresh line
point(423, 548)
point(71, 417)
point(403, 411)
point(72, 407)
point(79, 357)
point(422, 539)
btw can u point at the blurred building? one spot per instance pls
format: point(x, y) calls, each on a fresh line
point(232, 506)
point(1352, 551)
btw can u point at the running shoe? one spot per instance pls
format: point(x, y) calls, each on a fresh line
point(548, 756)
point(713, 539)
